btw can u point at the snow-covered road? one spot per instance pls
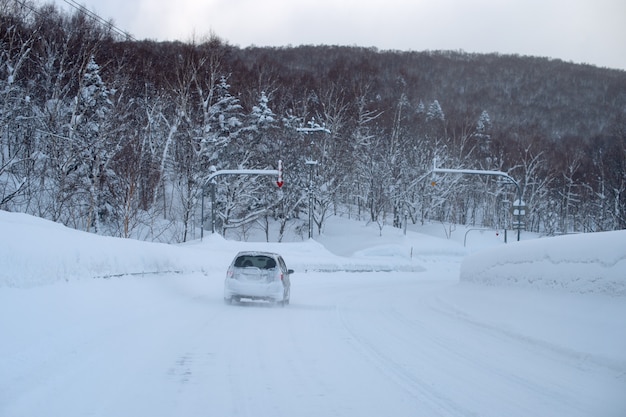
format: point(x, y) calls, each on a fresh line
point(350, 344)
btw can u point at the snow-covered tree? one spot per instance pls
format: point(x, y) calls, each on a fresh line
point(262, 116)
point(435, 112)
point(483, 125)
point(225, 115)
point(91, 145)
point(15, 150)
point(246, 198)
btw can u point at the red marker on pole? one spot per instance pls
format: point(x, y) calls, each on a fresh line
point(279, 182)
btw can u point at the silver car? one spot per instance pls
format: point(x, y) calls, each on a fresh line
point(258, 276)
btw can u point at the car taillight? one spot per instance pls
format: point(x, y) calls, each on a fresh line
point(281, 276)
point(230, 273)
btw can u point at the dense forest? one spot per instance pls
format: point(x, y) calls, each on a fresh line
point(117, 136)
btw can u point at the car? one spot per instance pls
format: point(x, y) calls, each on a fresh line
point(255, 275)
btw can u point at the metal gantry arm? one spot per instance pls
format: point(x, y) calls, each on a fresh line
point(211, 181)
point(313, 127)
point(482, 172)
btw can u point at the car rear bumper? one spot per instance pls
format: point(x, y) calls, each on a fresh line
point(271, 291)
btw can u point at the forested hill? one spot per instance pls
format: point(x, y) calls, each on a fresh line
point(523, 95)
point(117, 136)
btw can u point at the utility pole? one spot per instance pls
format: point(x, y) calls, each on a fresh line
point(311, 163)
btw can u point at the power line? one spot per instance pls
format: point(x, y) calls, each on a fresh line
point(87, 12)
point(21, 3)
point(99, 19)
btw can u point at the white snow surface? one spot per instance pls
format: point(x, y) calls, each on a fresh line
point(589, 263)
point(380, 323)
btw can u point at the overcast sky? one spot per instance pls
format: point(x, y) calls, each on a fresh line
point(581, 31)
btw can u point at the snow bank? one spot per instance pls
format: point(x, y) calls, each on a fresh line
point(586, 263)
point(310, 256)
point(35, 251)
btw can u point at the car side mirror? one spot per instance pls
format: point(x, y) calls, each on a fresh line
point(290, 271)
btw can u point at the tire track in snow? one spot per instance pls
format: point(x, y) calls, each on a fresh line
point(421, 390)
point(450, 350)
point(541, 346)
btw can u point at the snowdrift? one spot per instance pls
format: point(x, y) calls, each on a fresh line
point(586, 263)
point(35, 252)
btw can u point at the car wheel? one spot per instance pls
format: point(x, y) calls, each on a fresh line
point(228, 300)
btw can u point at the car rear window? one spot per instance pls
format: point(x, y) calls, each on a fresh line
point(259, 261)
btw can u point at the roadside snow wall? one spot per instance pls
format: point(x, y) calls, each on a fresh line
point(585, 263)
point(35, 252)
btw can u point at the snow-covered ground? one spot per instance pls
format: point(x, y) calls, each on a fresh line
point(401, 325)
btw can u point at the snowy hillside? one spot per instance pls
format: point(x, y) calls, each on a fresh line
point(405, 325)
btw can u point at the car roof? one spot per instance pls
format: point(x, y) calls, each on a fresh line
point(257, 253)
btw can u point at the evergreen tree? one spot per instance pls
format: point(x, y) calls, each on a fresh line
point(92, 149)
